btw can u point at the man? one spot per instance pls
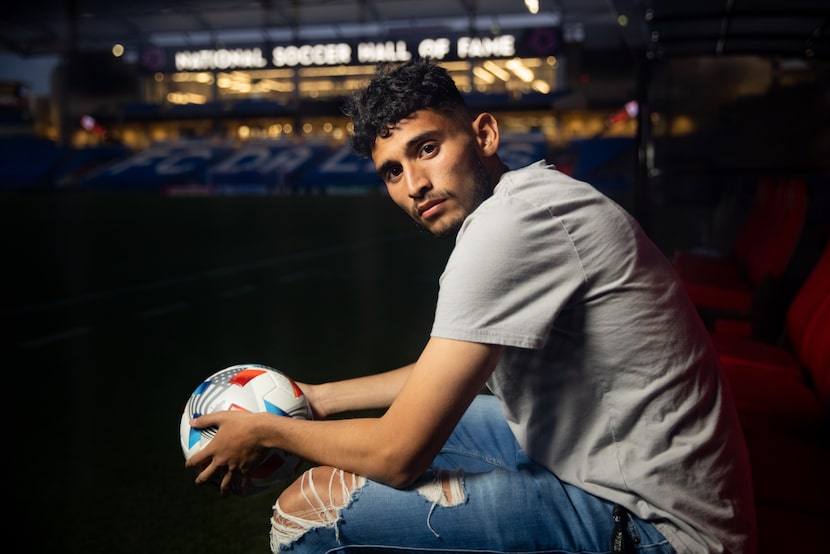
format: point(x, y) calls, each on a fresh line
point(609, 428)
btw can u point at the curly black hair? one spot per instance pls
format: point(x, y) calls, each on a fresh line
point(397, 92)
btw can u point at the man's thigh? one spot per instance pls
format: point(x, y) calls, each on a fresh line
point(527, 510)
point(481, 495)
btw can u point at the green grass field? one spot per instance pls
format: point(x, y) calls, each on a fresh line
point(117, 305)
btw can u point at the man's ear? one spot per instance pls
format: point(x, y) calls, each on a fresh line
point(486, 133)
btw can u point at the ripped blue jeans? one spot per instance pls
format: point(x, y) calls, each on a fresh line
point(482, 494)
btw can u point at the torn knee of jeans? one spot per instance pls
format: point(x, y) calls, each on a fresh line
point(322, 503)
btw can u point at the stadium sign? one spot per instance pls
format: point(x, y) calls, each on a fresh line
point(536, 42)
point(222, 58)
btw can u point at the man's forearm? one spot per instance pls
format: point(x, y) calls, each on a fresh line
point(360, 393)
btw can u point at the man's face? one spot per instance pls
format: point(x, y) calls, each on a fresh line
point(432, 170)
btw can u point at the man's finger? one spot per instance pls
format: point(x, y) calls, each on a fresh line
point(205, 420)
point(226, 487)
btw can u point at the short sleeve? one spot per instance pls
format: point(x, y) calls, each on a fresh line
point(513, 269)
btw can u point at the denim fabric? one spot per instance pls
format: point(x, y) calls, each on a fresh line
point(509, 504)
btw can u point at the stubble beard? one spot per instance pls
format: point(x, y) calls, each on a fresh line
point(482, 189)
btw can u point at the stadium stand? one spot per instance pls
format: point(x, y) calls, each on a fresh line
point(215, 166)
point(28, 161)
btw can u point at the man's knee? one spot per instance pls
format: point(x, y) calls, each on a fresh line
point(319, 492)
point(313, 500)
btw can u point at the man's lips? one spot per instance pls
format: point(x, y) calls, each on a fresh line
point(427, 208)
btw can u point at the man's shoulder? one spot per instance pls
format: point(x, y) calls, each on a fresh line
point(542, 182)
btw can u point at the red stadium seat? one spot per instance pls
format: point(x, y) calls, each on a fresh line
point(784, 413)
point(799, 320)
point(787, 389)
point(816, 352)
point(763, 249)
point(782, 394)
point(696, 262)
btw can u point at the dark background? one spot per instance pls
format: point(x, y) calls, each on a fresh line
point(119, 305)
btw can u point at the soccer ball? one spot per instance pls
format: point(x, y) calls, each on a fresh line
point(253, 388)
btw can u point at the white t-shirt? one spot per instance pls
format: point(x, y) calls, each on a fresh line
point(609, 379)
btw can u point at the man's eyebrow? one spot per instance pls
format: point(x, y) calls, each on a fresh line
point(418, 139)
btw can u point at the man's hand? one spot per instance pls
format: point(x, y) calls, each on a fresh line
point(311, 393)
point(234, 450)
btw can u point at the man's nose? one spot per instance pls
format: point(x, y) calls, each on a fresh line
point(417, 184)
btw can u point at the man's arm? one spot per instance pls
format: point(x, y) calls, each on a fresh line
point(361, 393)
point(394, 448)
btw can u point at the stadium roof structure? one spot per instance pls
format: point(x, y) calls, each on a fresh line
point(661, 28)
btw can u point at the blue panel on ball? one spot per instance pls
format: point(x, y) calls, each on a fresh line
point(193, 438)
point(274, 409)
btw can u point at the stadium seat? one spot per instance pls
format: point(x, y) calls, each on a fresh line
point(800, 315)
point(784, 414)
point(696, 261)
point(817, 352)
point(762, 250)
point(782, 393)
point(792, 395)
